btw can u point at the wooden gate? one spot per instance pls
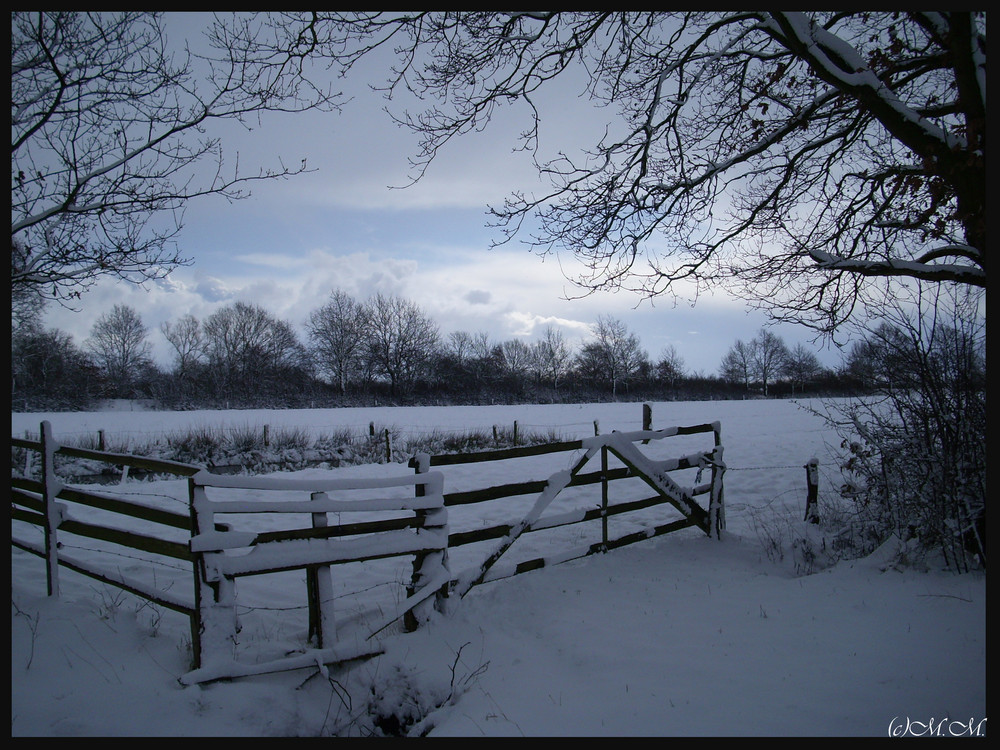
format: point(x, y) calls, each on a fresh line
point(623, 446)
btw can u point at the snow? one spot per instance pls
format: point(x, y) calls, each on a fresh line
point(677, 635)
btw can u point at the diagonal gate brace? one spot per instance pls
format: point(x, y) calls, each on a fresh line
point(556, 484)
point(645, 468)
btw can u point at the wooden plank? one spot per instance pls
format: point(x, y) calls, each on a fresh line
point(129, 539)
point(126, 508)
point(156, 465)
point(450, 459)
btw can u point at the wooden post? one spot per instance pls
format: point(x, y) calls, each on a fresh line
point(515, 432)
point(388, 446)
point(647, 419)
point(716, 502)
point(267, 436)
point(812, 493)
point(100, 441)
point(604, 497)
point(496, 435)
point(319, 589)
point(422, 464)
point(50, 488)
point(217, 624)
point(27, 456)
point(597, 429)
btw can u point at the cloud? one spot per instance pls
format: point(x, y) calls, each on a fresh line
point(212, 289)
point(526, 324)
point(478, 297)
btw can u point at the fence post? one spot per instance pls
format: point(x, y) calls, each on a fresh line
point(812, 493)
point(604, 497)
point(597, 429)
point(215, 625)
point(716, 503)
point(267, 436)
point(50, 488)
point(319, 588)
point(388, 446)
point(647, 419)
point(422, 464)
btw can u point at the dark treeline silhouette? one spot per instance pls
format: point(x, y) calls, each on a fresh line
point(384, 351)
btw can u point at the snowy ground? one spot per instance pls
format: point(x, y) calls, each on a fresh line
point(678, 635)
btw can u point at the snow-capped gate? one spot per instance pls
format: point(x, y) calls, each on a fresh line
point(636, 464)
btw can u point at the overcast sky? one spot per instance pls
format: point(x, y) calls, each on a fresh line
point(344, 226)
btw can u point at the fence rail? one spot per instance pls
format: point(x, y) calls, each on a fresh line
point(206, 537)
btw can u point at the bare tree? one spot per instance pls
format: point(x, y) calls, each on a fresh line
point(188, 340)
point(670, 366)
point(337, 333)
point(768, 357)
point(552, 356)
point(400, 337)
point(737, 364)
point(109, 138)
point(251, 351)
point(119, 347)
point(915, 455)
point(615, 352)
point(794, 157)
point(48, 370)
point(516, 357)
point(801, 366)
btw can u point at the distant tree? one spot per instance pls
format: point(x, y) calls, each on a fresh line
point(737, 364)
point(188, 340)
point(669, 367)
point(251, 353)
point(108, 138)
point(861, 363)
point(48, 370)
point(615, 355)
point(337, 332)
point(552, 356)
point(120, 349)
point(801, 366)
point(516, 356)
point(459, 345)
point(486, 357)
point(768, 355)
point(401, 339)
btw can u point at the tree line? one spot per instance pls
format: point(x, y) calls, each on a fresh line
point(384, 349)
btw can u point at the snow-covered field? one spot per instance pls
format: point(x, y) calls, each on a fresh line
point(677, 635)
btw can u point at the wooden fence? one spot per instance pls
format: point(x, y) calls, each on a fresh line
point(218, 553)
